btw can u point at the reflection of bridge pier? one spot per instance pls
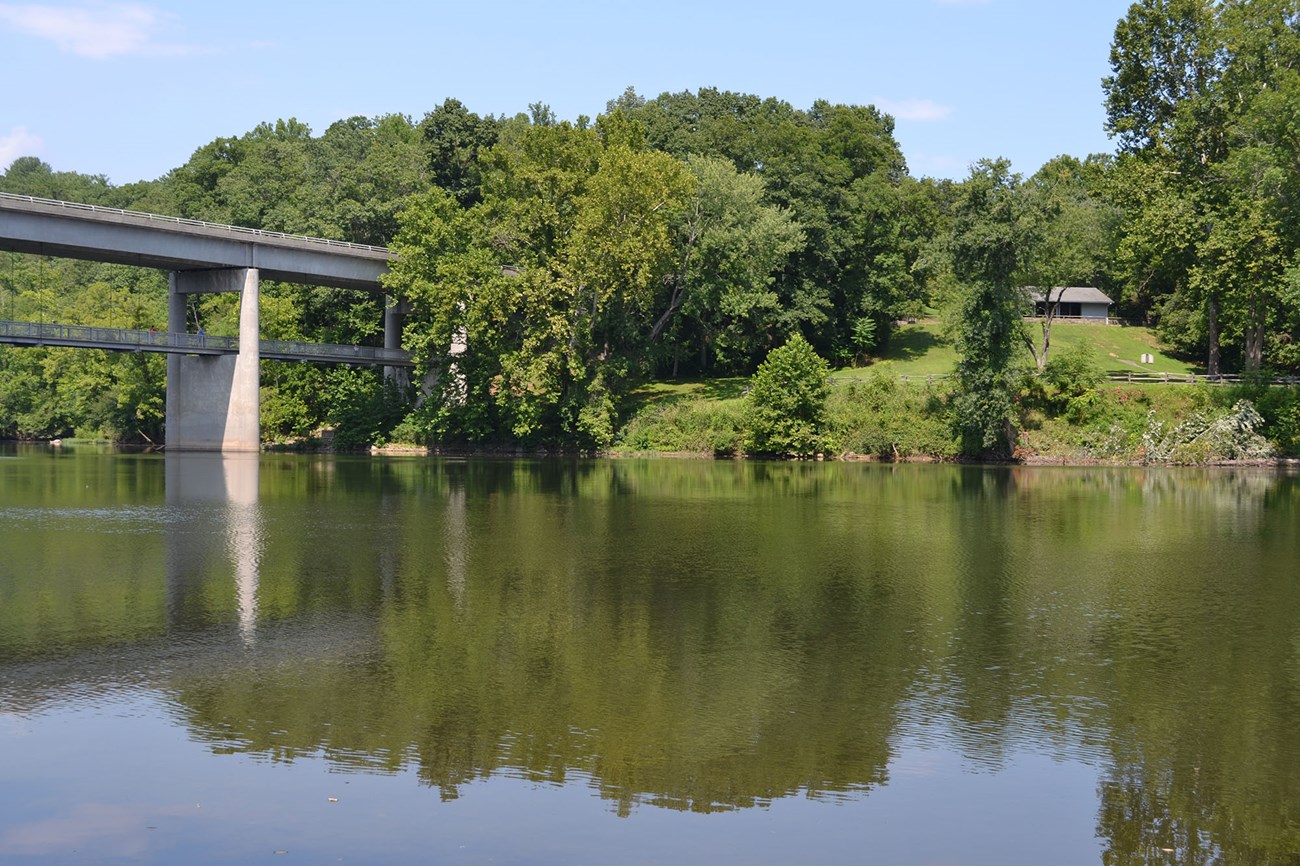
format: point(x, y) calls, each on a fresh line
point(207, 489)
point(458, 542)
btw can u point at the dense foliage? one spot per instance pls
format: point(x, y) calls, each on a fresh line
point(1204, 102)
point(785, 408)
point(689, 234)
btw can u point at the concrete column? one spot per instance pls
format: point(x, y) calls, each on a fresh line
point(213, 401)
point(394, 314)
point(176, 303)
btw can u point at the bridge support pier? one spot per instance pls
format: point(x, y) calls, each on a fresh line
point(213, 402)
point(394, 314)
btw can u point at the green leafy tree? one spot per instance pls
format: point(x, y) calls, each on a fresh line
point(1066, 238)
point(28, 175)
point(1204, 100)
point(455, 137)
point(555, 281)
point(785, 410)
point(839, 172)
point(730, 244)
point(987, 325)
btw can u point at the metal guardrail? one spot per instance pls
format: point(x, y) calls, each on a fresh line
point(153, 217)
point(127, 338)
point(137, 340)
point(294, 350)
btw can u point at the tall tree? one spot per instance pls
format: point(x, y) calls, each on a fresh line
point(1065, 237)
point(729, 246)
point(454, 137)
point(839, 172)
point(988, 328)
point(1160, 104)
point(1204, 101)
point(555, 280)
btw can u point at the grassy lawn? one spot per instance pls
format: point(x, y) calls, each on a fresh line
point(921, 349)
point(672, 390)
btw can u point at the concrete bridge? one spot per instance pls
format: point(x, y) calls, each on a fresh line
point(212, 395)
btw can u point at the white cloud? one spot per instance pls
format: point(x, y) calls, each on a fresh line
point(922, 110)
point(97, 30)
point(19, 142)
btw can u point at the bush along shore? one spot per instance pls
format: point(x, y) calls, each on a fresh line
point(1066, 414)
point(884, 419)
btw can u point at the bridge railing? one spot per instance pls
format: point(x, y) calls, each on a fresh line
point(128, 337)
point(133, 339)
point(153, 217)
point(334, 352)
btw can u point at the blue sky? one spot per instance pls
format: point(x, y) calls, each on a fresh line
point(130, 90)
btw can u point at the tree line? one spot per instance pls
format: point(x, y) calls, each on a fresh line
point(688, 234)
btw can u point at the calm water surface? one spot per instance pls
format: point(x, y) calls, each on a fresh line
point(312, 660)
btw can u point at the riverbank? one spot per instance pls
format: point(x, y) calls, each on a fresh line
point(884, 420)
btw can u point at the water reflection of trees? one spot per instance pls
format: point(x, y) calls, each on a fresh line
point(712, 636)
point(718, 685)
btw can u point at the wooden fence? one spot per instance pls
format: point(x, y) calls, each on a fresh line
point(1136, 377)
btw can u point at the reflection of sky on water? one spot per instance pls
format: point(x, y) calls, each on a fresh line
point(173, 803)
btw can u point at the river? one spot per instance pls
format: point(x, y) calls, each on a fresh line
point(310, 659)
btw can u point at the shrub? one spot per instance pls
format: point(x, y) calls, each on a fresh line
point(1073, 371)
point(884, 417)
point(1207, 435)
point(785, 411)
point(1280, 408)
point(697, 426)
point(363, 407)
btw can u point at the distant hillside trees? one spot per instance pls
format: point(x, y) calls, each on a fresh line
point(691, 233)
point(1204, 101)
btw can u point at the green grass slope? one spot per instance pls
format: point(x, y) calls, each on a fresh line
point(922, 349)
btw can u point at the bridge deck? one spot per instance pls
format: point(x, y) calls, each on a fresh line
point(81, 231)
point(132, 340)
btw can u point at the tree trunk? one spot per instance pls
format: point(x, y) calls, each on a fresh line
point(1050, 309)
point(1212, 325)
point(1255, 337)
